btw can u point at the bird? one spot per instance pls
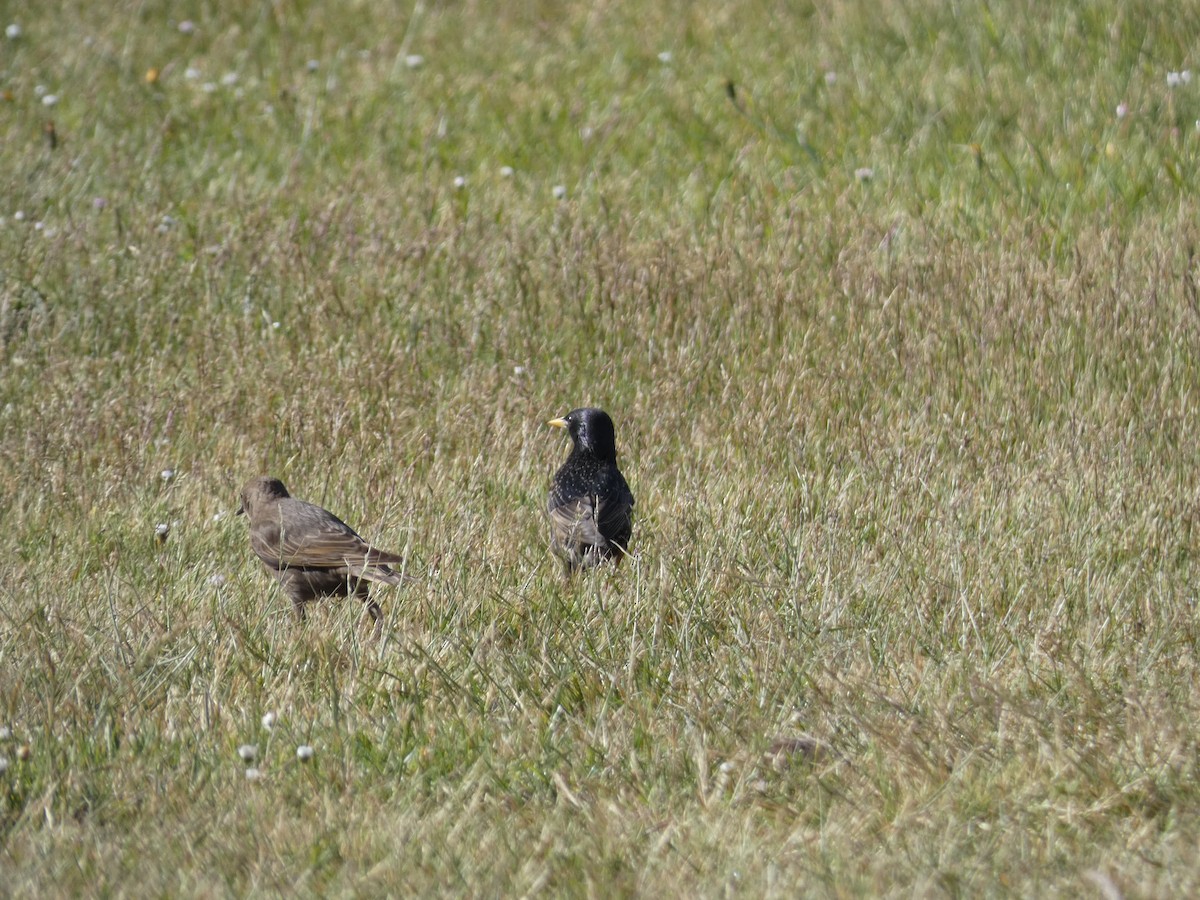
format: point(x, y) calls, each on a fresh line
point(310, 551)
point(590, 504)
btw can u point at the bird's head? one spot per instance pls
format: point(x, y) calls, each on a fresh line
point(259, 491)
point(591, 431)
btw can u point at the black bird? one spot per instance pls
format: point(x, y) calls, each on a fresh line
point(310, 551)
point(590, 503)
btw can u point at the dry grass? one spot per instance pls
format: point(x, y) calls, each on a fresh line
point(913, 609)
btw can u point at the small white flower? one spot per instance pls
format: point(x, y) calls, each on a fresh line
point(50, 100)
point(866, 173)
point(218, 516)
point(1175, 79)
point(4, 759)
point(247, 752)
point(268, 720)
point(252, 774)
point(13, 31)
point(167, 474)
point(5, 733)
point(38, 225)
point(459, 182)
point(559, 191)
point(40, 90)
point(191, 73)
point(506, 171)
point(161, 530)
point(217, 580)
point(19, 215)
point(209, 87)
point(187, 26)
point(726, 767)
point(312, 65)
point(99, 203)
point(414, 60)
point(229, 79)
point(831, 78)
point(276, 325)
point(304, 753)
point(518, 370)
point(665, 57)
point(1122, 110)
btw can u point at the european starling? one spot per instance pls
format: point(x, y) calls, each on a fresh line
point(590, 503)
point(311, 551)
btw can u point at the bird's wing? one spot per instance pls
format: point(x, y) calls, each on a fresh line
point(574, 522)
point(614, 515)
point(314, 538)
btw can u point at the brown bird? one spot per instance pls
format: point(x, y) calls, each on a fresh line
point(310, 551)
point(590, 504)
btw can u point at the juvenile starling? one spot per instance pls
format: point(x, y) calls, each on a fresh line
point(590, 503)
point(311, 551)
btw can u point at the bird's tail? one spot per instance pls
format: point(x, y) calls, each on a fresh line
point(382, 573)
point(375, 556)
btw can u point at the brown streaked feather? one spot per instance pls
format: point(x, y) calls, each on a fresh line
point(310, 551)
point(312, 537)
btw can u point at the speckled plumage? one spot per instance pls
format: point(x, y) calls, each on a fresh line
point(590, 504)
point(310, 551)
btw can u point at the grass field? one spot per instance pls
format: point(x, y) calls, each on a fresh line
point(895, 307)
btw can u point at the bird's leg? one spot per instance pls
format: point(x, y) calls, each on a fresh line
point(298, 606)
point(376, 616)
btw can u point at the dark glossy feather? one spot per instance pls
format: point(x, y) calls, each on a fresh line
point(590, 504)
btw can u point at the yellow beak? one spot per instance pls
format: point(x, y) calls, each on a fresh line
point(557, 423)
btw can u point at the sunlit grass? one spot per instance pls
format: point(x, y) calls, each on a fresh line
point(895, 311)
